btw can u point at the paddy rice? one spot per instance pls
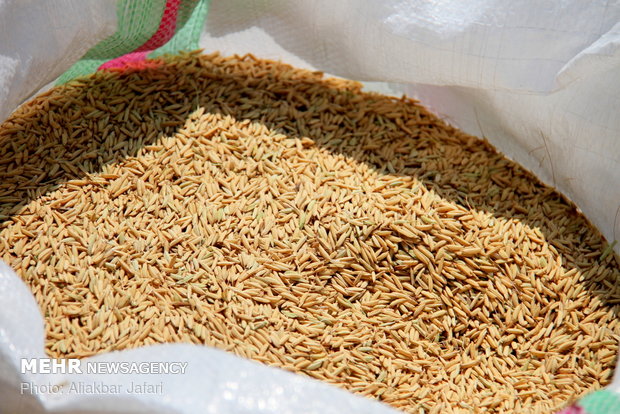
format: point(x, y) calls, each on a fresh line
point(301, 222)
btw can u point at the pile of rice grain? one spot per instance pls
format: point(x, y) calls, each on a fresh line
point(298, 221)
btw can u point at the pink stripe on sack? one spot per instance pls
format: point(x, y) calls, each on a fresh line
point(164, 33)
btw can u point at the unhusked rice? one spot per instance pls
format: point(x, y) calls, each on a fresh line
point(298, 221)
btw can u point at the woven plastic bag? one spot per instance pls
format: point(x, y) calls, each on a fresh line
point(538, 79)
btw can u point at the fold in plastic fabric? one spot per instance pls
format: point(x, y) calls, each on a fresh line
point(39, 40)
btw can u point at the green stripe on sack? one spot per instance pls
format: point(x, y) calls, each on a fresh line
point(137, 22)
point(601, 402)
